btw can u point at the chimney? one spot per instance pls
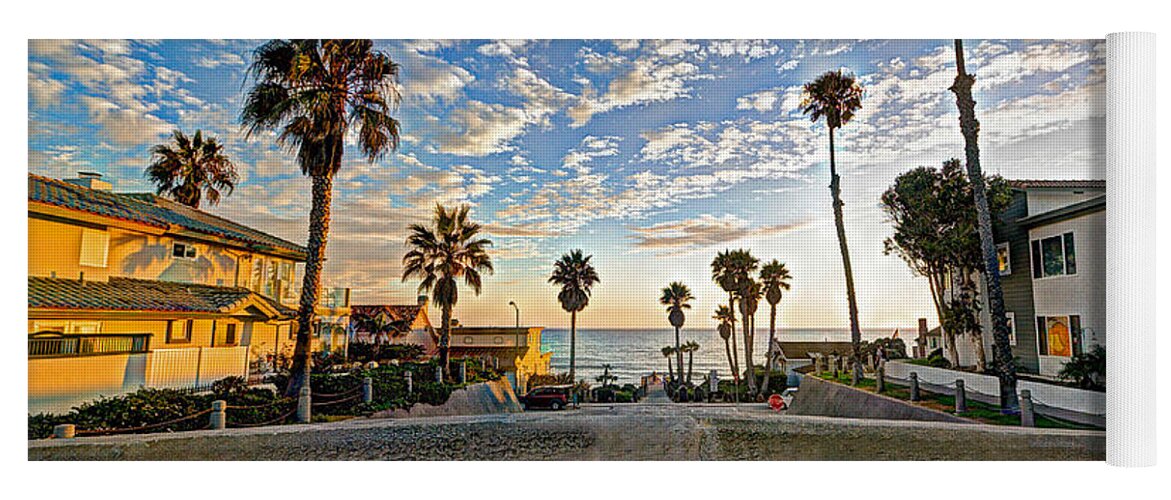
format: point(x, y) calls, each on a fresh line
point(91, 180)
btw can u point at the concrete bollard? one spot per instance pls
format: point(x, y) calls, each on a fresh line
point(914, 386)
point(880, 378)
point(304, 405)
point(851, 364)
point(961, 397)
point(64, 431)
point(410, 382)
point(219, 415)
point(463, 372)
point(439, 374)
point(367, 390)
point(818, 367)
point(833, 362)
point(1028, 415)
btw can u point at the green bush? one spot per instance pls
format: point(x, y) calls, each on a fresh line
point(935, 358)
point(1087, 370)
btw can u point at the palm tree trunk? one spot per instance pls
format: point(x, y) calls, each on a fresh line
point(690, 364)
point(835, 189)
point(445, 343)
point(735, 351)
point(573, 355)
point(728, 351)
point(750, 374)
point(311, 284)
point(768, 361)
point(678, 353)
point(1001, 350)
point(670, 369)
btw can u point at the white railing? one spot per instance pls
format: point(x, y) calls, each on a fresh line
point(195, 367)
point(1051, 395)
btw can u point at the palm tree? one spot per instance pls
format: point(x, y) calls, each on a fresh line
point(677, 297)
point(577, 278)
point(774, 277)
point(727, 318)
point(190, 168)
point(835, 96)
point(669, 352)
point(690, 348)
point(744, 265)
point(440, 256)
point(725, 275)
point(970, 127)
point(315, 92)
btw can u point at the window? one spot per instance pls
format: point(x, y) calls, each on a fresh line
point(1004, 259)
point(1059, 335)
point(183, 251)
point(230, 334)
point(179, 331)
point(95, 247)
point(1054, 256)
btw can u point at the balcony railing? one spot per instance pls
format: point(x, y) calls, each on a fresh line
point(44, 345)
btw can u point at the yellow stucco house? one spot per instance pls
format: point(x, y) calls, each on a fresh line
point(133, 290)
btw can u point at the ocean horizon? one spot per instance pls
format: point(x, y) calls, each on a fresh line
point(634, 352)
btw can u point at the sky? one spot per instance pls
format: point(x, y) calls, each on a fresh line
point(650, 155)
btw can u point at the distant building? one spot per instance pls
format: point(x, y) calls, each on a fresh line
point(134, 290)
point(516, 351)
point(1051, 243)
point(395, 324)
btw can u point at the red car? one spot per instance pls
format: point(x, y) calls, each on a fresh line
point(554, 397)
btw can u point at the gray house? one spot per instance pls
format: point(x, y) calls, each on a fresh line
point(1051, 241)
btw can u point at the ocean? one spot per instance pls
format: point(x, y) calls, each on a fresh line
point(632, 353)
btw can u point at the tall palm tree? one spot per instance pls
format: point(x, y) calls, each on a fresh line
point(744, 266)
point(669, 352)
point(727, 318)
point(774, 277)
point(690, 347)
point(191, 168)
point(835, 96)
point(577, 278)
point(440, 255)
point(970, 127)
point(725, 275)
point(677, 297)
point(315, 92)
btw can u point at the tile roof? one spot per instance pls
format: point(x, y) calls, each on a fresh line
point(801, 350)
point(128, 294)
point(1057, 184)
point(151, 210)
point(404, 315)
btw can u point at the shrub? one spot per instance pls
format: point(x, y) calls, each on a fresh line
point(936, 359)
point(1087, 370)
point(367, 352)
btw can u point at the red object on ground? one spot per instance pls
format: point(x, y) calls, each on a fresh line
point(775, 402)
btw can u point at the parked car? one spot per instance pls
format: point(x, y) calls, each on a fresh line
point(554, 397)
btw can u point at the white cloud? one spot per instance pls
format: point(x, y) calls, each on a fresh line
point(221, 59)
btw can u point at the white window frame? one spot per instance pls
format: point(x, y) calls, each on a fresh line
point(95, 248)
point(1007, 258)
point(189, 250)
point(1011, 327)
point(1041, 255)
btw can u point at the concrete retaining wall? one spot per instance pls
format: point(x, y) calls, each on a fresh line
point(475, 399)
point(829, 399)
point(1067, 403)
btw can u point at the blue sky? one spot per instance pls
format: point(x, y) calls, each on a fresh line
point(650, 154)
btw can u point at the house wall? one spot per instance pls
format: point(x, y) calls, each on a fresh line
point(1045, 200)
point(1082, 294)
point(55, 248)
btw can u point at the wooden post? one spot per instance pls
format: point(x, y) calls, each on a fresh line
point(304, 405)
point(1028, 415)
point(817, 366)
point(463, 372)
point(219, 415)
point(880, 378)
point(410, 384)
point(961, 397)
point(367, 390)
point(439, 374)
point(914, 386)
point(64, 431)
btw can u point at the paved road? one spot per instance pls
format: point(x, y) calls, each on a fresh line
point(655, 394)
point(598, 432)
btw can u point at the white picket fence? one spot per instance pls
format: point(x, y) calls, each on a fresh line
point(195, 367)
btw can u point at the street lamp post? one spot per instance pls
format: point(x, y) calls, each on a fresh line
point(517, 338)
